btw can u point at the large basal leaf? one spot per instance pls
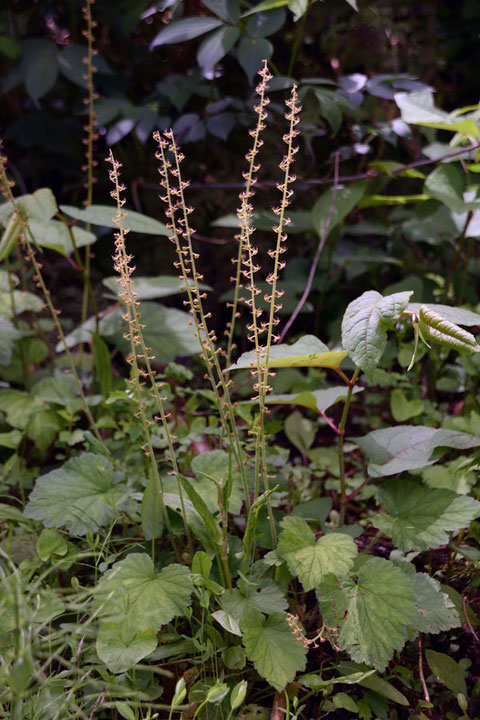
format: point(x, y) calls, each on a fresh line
point(132, 594)
point(435, 611)
point(365, 324)
point(421, 517)
point(120, 649)
point(309, 351)
point(82, 495)
point(407, 447)
point(312, 560)
point(270, 644)
point(103, 215)
point(317, 400)
point(372, 611)
point(212, 467)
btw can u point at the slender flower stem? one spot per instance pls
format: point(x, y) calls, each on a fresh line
point(341, 440)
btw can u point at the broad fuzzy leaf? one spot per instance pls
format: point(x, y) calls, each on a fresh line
point(365, 324)
point(421, 517)
point(312, 560)
point(436, 612)
point(438, 329)
point(264, 595)
point(120, 649)
point(270, 644)
point(309, 351)
point(407, 447)
point(82, 495)
point(134, 595)
point(372, 611)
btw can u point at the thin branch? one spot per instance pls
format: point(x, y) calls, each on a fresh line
point(265, 184)
point(321, 244)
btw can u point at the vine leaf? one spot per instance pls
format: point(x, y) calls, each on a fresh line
point(407, 447)
point(372, 611)
point(365, 324)
point(312, 560)
point(82, 495)
point(270, 644)
point(435, 328)
point(421, 517)
point(133, 595)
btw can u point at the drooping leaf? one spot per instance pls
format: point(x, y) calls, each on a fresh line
point(185, 29)
point(449, 672)
point(216, 46)
point(460, 316)
point(365, 324)
point(345, 200)
point(373, 611)
point(420, 517)
point(251, 54)
point(84, 494)
point(317, 400)
point(132, 594)
point(270, 644)
point(312, 560)
point(120, 648)
point(407, 447)
point(309, 351)
point(436, 328)
point(103, 215)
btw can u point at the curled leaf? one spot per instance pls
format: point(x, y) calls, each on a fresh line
point(435, 328)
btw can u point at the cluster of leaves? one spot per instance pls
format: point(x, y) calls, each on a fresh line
point(142, 569)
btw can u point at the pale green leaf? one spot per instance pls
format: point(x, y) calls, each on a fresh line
point(131, 593)
point(152, 512)
point(270, 644)
point(103, 215)
point(317, 400)
point(402, 408)
point(55, 235)
point(40, 205)
point(8, 335)
point(120, 648)
point(84, 494)
point(417, 108)
point(407, 447)
point(420, 517)
point(42, 427)
point(309, 351)
point(449, 672)
point(446, 184)
point(365, 324)
point(311, 560)
point(300, 431)
point(373, 611)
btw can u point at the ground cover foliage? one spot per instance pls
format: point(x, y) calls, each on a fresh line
point(239, 461)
